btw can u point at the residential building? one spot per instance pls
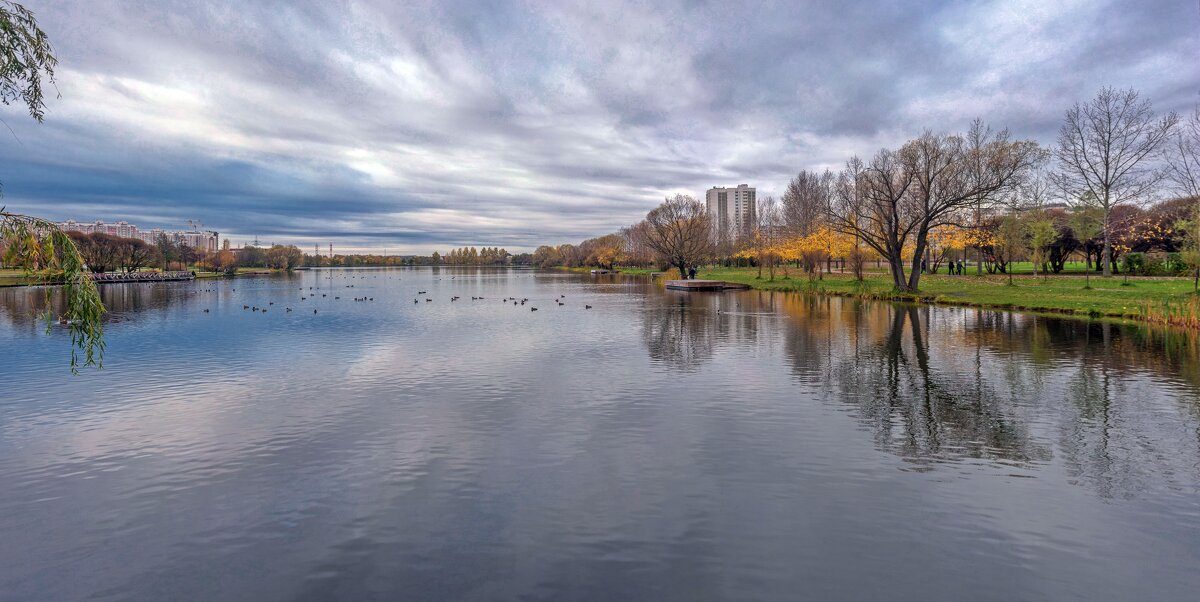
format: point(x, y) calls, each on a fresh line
point(733, 210)
point(201, 240)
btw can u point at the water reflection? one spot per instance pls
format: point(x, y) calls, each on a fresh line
point(749, 445)
point(933, 386)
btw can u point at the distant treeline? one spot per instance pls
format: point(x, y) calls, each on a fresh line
point(485, 256)
point(109, 253)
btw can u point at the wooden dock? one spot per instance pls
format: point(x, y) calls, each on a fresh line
point(704, 285)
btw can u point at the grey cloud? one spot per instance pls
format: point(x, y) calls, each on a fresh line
point(530, 122)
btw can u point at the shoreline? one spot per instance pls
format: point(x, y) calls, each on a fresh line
point(1155, 301)
point(15, 281)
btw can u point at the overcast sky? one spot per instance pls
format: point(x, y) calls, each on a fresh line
point(427, 125)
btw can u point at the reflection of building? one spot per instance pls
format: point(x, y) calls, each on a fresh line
point(732, 209)
point(201, 240)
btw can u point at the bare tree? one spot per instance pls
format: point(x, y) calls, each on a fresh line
point(848, 199)
point(680, 232)
point(764, 236)
point(806, 201)
point(931, 181)
point(1106, 151)
point(875, 210)
point(1036, 191)
point(1183, 158)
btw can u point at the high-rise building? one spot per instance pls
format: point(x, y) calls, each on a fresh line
point(205, 241)
point(733, 210)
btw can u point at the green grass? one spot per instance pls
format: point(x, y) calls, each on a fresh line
point(14, 277)
point(1107, 297)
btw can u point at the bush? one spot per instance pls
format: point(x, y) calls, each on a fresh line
point(1142, 264)
point(1134, 263)
point(1176, 265)
point(1154, 266)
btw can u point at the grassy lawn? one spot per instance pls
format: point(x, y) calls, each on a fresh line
point(636, 271)
point(1141, 299)
point(12, 277)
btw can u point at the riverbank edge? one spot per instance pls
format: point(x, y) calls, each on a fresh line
point(39, 281)
point(1147, 313)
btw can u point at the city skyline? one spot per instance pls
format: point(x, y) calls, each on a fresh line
point(431, 126)
point(204, 240)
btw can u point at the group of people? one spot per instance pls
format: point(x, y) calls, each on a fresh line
point(954, 268)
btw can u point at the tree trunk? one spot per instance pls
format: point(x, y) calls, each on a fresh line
point(1107, 259)
point(914, 277)
point(896, 265)
point(682, 270)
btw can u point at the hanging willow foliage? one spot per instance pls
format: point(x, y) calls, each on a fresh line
point(48, 255)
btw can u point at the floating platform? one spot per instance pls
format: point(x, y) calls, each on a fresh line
point(704, 285)
point(604, 271)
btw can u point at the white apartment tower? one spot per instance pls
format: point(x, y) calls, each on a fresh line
point(733, 210)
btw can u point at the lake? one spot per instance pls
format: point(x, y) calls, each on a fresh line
point(659, 446)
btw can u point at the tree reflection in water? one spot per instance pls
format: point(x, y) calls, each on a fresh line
point(1117, 406)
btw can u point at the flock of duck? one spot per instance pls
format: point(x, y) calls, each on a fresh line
point(312, 293)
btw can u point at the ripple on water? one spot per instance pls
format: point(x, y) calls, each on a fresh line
point(665, 445)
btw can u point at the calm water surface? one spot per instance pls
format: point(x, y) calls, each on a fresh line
point(660, 446)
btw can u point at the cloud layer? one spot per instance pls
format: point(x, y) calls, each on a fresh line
point(437, 124)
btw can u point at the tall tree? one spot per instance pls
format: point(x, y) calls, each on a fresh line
point(928, 183)
point(1191, 249)
point(871, 206)
point(1106, 154)
point(1183, 158)
point(806, 201)
point(680, 232)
